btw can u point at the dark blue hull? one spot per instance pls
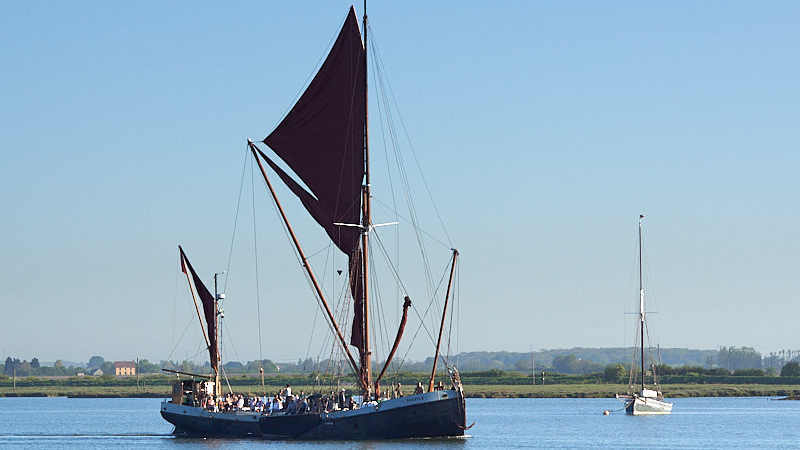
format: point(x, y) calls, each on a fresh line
point(441, 418)
point(211, 426)
point(435, 414)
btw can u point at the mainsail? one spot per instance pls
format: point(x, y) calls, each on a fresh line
point(208, 307)
point(322, 140)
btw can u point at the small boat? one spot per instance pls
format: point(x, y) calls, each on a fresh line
point(324, 140)
point(643, 401)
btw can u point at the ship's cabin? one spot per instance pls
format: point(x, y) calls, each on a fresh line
point(191, 392)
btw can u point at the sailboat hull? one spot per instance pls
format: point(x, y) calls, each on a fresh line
point(195, 421)
point(643, 406)
point(432, 414)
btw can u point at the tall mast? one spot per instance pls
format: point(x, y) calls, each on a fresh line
point(217, 386)
point(641, 298)
point(366, 371)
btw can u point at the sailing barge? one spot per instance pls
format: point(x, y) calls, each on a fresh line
point(324, 139)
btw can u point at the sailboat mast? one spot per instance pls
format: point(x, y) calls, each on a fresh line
point(217, 386)
point(444, 316)
point(366, 370)
point(641, 299)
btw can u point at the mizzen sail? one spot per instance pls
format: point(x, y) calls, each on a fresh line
point(208, 307)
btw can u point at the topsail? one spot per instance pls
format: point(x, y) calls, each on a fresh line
point(322, 140)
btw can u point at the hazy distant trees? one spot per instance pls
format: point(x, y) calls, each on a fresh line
point(736, 358)
point(571, 364)
point(663, 369)
point(578, 360)
point(107, 367)
point(253, 366)
point(146, 366)
point(95, 362)
point(15, 366)
point(791, 369)
point(615, 373)
point(10, 365)
point(233, 366)
point(749, 373)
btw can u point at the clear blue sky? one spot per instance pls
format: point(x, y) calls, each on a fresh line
point(544, 129)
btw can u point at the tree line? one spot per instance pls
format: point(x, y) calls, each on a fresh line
point(575, 361)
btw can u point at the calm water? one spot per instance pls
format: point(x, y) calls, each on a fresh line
point(501, 423)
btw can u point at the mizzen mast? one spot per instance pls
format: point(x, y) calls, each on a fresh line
point(444, 316)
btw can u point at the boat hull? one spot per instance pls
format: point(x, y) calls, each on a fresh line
point(195, 421)
point(644, 406)
point(433, 414)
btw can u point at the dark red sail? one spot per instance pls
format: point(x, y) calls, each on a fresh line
point(322, 136)
point(322, 141)
point(208, 307)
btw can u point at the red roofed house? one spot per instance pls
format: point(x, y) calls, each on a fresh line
point(124, 368)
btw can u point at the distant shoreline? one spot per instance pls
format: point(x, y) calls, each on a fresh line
point(787, 392)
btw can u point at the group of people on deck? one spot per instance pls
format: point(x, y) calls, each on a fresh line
point(286, 402)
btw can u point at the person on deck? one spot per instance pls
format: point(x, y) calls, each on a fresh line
point(341, 399)
point(398, 391)
point(418, 389)
point(276, 404)
point(291, 406)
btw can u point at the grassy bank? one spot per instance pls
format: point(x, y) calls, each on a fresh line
point(477, 390)
point(609, 390)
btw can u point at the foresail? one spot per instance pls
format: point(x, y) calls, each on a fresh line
point(208, 307)
point(322, 140)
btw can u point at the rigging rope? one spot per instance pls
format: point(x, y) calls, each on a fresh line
point(258, 282)
point(452, 310)
point(233, 347)
point(386, 111)
point(379, 60)
point(406, 220)
point(225, 375)
point(405, 291)
point(317, 311)
point(235, 223)
point(174, 321)
point(185, 329)
point(302, 264)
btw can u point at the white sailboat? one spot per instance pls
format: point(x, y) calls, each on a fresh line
point(643, 401)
